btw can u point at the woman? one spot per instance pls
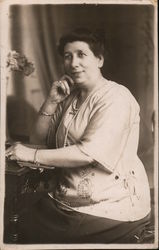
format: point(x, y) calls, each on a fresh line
point(89, 129)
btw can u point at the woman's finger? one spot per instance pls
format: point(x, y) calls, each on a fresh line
point(12, 157)
point(9, 150)
point(8, 154)
point(63, 87)
point(68, 79)
point(67, 88)
point(12, 148)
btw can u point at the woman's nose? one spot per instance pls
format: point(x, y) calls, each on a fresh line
point(74, 61)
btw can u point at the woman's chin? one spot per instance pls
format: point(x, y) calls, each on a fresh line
point(79, 84)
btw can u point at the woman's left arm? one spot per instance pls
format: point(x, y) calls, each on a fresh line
point(69, 156)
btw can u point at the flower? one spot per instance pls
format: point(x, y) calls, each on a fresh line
point(19, 62)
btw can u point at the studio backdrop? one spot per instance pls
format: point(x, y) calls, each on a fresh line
point(35, 31)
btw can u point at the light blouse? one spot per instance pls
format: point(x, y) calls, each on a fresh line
point(106, 128)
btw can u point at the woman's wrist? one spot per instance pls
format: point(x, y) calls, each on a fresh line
point(44, 113)
point(29, 154)
point(48, 108)
point(35, 158)
point(51, 100)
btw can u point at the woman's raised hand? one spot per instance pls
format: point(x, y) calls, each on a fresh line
point(60, 89)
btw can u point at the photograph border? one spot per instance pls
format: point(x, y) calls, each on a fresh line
point(4, 12)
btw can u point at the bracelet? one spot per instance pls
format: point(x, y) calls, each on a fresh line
point(44, 113)
point(35, 158)
point(36, 162)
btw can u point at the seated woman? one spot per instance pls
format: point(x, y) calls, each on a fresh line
point(89, 127)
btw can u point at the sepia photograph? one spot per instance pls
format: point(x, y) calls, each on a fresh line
point(79, 125)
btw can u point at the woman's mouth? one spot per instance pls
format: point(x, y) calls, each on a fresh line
point(77, 73)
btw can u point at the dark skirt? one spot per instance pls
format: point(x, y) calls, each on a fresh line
point(46, 223)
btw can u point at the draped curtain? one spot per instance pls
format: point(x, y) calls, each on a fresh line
point(35, 31)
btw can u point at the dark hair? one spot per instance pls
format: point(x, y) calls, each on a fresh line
point(95, 40)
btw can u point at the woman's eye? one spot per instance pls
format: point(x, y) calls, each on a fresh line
point(81, 54)
point(67, 56)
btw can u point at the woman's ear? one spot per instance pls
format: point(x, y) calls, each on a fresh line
point(100, 61)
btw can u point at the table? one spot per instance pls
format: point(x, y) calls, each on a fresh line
point(23, 187)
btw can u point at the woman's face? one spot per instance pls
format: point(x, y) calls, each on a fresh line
point(81, 64)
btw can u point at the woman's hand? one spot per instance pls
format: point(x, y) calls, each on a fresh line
point(60, 89)
point(20, 152)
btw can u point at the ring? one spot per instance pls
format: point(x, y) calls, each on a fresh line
point(9, 154)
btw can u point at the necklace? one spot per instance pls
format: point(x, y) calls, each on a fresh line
point(74, 107)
